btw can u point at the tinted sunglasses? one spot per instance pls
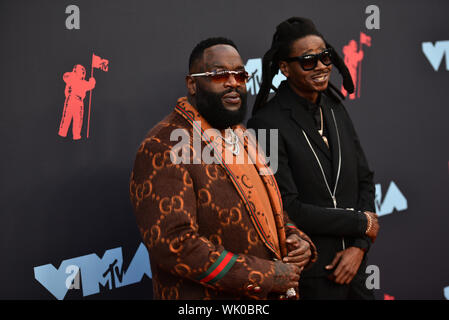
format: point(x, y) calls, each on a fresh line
point(222, 76)
point(309, 61)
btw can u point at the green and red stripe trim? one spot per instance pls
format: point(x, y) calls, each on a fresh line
point(220, 267)
point(274, 182)
point(291, 225)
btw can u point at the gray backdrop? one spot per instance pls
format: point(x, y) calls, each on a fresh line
point(62, 199)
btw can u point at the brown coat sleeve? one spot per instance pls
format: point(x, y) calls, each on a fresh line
point(165, 204)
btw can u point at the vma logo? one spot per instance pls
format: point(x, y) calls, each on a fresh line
point(93, 271)
point(435, 53)
point(254, 69)
point(394, 199)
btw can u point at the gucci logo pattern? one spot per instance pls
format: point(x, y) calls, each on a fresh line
point(201, 240)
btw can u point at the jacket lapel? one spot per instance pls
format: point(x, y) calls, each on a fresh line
point(302, 118)
point(334, 140)
point(236, 177)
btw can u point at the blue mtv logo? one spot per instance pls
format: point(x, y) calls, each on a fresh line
point(393, 200)
point(254, 69)
point(435, 53)
point(94, 271)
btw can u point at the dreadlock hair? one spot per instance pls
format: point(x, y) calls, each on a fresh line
point(286, 33)
point(197, 52)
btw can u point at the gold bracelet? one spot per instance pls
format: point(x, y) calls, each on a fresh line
point(370, 223)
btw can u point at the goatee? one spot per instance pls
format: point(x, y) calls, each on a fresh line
point(210, 106)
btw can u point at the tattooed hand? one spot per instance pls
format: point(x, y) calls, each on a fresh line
point(286, 276)
point(299, 252)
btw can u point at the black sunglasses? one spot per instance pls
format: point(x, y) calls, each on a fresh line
point(309, 61)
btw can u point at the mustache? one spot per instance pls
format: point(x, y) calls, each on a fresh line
point(322, 72)
point(240, 92)
point(210, 106)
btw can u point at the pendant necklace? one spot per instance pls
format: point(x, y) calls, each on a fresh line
point(233, 141)
point(321, 131)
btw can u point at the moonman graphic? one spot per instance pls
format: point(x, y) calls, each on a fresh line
point(352, 60)
point(75, 91)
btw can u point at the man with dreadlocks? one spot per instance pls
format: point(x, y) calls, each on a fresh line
point(326, 185)
point(214, 230)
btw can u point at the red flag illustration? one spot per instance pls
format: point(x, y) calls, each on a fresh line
point(100, 63)
point(353, 60)
point(353, 57)
point(365, 39)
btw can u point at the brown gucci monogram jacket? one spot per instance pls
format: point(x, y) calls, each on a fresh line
point(207, 227)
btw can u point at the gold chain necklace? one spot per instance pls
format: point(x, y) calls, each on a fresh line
point(321, 131)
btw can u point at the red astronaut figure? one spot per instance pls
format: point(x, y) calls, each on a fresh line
point(75, 91)
point(352, 59)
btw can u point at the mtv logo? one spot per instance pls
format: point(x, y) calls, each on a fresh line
point(435, 53)
point(94, 271)
point(394, 199)
point(254, 69)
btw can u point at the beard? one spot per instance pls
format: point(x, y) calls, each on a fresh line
point(210, 106)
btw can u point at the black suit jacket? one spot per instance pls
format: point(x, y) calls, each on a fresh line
point(303, 161)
